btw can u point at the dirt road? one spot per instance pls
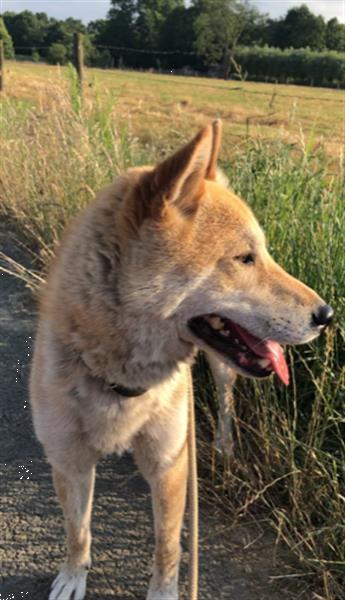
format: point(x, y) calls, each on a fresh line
point(31, 528)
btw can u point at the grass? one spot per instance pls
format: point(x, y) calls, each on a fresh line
point(288, 465)
point(159, 107)
point(290, 444)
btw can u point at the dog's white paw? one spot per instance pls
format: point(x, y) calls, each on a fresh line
point(68, 582)
point(163, 592)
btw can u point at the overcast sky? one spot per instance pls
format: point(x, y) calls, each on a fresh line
point(88, 10)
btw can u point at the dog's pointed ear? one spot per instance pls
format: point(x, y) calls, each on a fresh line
point(179, 180)
point(211, 172)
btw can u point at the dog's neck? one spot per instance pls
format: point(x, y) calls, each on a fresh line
point(98, 315)
point(136, 353)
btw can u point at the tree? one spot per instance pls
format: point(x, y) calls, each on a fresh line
point(96, 28)
point(302, 29)
point(255, 31)
point(177, 32)
point(120, 26)
point(6, 38)
point(117, 30)
point(135, 24)
point(26, 30)
point(152, 14)
point(61, 32)
point(57, 54)
point(335, 35)
point(218, 28)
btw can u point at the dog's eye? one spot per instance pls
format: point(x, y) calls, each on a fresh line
point(247, 259)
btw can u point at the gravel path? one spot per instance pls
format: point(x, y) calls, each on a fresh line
point(31, 528)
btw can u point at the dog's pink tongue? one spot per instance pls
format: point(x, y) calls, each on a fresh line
point(268, 349)
point(275, 353)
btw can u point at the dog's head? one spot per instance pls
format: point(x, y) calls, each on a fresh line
point(202, 266)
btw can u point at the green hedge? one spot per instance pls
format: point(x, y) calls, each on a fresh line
point(292, 66)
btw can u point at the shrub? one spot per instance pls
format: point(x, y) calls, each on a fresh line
point(57, 54)
point(35, 56)
point(298, 66)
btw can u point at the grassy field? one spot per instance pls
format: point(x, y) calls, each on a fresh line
point(161, 108)
point(282, 152)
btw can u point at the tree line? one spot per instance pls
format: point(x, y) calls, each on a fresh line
point(170, 34)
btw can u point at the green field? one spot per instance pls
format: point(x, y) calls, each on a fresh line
point(283, 152)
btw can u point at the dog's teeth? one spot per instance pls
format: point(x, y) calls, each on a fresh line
point(242, 359)
point(216, 323)
point(264, 362)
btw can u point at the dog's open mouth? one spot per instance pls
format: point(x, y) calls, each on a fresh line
point(258, 358)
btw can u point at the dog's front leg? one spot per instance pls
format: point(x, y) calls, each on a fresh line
point(75, 493)
point(168, 488)
point(168, 498)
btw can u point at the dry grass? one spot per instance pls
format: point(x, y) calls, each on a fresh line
point(151, 102)
point(289, 455)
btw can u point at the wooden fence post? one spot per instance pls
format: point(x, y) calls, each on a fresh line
point(78, 56)
point(2, 65)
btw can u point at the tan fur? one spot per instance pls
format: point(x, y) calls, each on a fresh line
point(157, 247)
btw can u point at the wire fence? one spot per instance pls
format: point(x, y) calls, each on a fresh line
point(121, 49)
point(183, 71)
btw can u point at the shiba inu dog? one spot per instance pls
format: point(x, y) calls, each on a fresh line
point(165, 261)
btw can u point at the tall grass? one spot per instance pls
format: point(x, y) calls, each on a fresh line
point(289, 456)
point(289, 453)
point(55, 156)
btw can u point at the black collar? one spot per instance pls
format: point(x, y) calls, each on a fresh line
point(119, 389)
point(123, 391)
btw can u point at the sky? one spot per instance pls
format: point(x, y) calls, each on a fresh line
point(89, 10)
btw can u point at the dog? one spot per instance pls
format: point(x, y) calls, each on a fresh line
point(164, 262)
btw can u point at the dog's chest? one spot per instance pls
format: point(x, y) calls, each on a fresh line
point(110, 422)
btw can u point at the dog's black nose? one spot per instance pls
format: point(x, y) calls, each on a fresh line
point(323, 315)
